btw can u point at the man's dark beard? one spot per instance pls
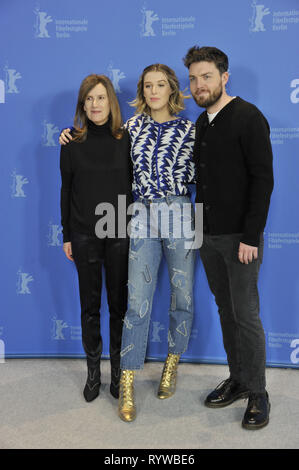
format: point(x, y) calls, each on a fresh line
point(212, 99)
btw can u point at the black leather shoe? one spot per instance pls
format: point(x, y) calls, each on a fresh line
point(226, 393)
point(257, 412)
point(114, 386)
point(93, 383)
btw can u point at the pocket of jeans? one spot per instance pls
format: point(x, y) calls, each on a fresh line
point(235, 247)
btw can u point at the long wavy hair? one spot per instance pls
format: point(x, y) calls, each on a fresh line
point(80, 119)
point(176, 99)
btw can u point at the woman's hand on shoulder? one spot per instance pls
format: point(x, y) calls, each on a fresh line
point(65, 136)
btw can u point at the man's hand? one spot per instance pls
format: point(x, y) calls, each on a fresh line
point(65, 136)
point(247, 253)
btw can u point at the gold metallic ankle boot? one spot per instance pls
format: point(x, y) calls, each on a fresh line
point(126, 404)
point(168, 379)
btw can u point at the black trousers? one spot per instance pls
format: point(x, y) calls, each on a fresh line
point(234, 286)
point(90, 255)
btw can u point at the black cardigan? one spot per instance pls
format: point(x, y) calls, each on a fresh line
point(234, 174)
point(92, 172)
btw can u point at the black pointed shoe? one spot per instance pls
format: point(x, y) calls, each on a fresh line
point(257, 412)
point(114, 386)
point(226, 393)
point(93, 383)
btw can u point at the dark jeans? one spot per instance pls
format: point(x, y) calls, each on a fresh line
point(90, 254)
point(234, 286)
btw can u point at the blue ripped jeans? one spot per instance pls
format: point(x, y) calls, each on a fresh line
point(151, 240)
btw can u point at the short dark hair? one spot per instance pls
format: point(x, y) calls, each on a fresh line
point(207, 54)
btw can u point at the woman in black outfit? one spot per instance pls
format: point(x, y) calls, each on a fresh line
point(95, 168)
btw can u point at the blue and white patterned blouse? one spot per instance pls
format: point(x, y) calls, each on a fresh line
point(161, 156)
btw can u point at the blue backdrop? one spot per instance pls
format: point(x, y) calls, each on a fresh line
point(47, 48)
